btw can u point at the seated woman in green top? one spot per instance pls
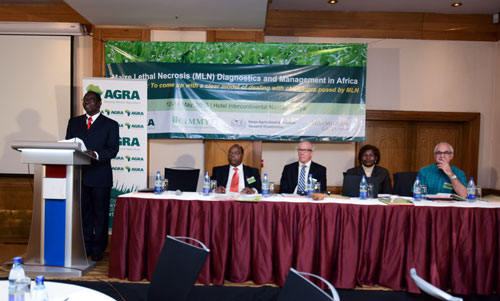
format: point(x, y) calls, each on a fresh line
point(368, 157)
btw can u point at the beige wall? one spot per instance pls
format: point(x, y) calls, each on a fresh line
point(82, 62)
point(494, 140)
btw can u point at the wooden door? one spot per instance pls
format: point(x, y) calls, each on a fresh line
point(429, 134)
point(393, 139)
point(216, 153)
point(407, 139)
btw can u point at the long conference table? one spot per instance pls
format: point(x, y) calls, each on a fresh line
point(349, 242)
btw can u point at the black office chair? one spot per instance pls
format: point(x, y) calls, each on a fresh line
point(403, 183)
point(431, 289)
point(298, 288)
point(350, 185)
point(177, 269)
point(182, 178)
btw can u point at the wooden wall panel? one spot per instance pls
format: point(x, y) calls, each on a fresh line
point(392, 138)
point(429, 134)
point(216, 153)
point(425, 130)
point(60, 12)
point(248, 36)
point(381, 25)
point(103, 34)
point(16, 204)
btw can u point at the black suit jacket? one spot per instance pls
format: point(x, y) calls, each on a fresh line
point(221, 174)
point(378, 172)
point(290, 176)
point(103, 138)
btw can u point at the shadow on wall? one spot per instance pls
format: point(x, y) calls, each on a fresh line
point(30, 129)
point(189, 161)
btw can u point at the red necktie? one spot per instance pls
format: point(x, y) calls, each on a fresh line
point(89, 123)
point(235, 181)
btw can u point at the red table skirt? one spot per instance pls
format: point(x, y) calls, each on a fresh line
point(348, 245)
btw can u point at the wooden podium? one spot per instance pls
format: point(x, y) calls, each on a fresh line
point(56, 247)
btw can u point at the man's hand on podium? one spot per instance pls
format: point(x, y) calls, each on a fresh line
point(91, 153)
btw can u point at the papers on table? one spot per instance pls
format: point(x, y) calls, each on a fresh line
point(396, 200)
point(77, 140)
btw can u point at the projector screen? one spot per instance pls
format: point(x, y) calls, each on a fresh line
point(35, 77)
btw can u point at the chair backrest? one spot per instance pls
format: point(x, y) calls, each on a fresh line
point(177, 269)
point(350, 185)
point(182, 178)
point(431, 289)
point(403, 183)
point(297, 287)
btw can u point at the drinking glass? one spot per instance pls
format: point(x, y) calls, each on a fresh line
point(424, 191)
point(165, 184)
point(213, 185)
point(369, 191)
point(317, 187)
point(479, 192)
point(23, 288)
point(271, 188)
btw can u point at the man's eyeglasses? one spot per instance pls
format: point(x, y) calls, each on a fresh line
point(88, 100)
point(234, 153)
point(302, 150)
point(442, 153)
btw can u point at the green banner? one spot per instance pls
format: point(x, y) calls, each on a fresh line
point(200, 99)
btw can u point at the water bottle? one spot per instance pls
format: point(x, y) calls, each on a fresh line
point(363, 188)
point(417, 190)
point(158, 183)
point(40, 291)
point(206, 184)
point(310, 185)
point(265, 186)
point(17, 271)
point(471, 190)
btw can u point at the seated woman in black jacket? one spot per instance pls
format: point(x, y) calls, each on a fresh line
point(368, 157)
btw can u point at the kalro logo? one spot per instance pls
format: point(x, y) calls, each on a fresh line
point(122, 94)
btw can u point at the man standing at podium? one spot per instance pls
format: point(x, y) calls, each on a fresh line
point(101, 137)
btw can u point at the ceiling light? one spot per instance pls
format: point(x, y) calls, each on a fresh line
point(456, 4)
point(333, 1)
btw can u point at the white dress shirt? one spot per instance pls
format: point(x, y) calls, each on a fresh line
point(241, 182)
point(94, 117)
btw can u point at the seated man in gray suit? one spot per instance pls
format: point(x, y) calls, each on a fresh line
point(295, 175)
point(235, 176)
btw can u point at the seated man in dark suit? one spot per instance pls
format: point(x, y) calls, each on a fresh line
point(236, 177)
point(295, 175)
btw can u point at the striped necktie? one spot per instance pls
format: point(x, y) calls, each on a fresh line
point(302, 179)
